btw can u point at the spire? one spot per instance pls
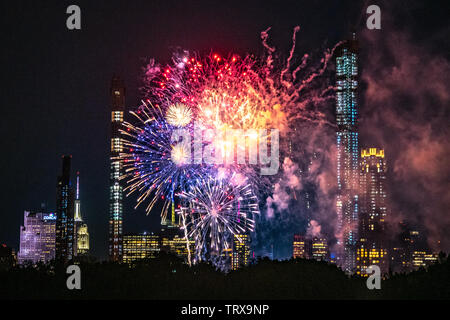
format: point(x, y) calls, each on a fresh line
point(78, 186)
point(77, 215)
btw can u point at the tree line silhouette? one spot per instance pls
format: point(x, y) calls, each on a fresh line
point(167, 277)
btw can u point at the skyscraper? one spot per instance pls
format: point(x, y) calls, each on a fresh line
point(300, 247)
point(319, 249)
point(82, 239)
point(64, 245)
point(372, 246)
point(241, 251)
point(77, 214)
point(179, 247)
point(173, 241)
point(310, 248)
point(37, 237)
point(115, 187)
point(347, 151)
point(411, 250)
point(81, 229)
point(173, 222)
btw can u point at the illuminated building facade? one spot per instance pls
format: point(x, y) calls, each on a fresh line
point(167, 234)
point(347, 151)
point(319, 249)
point(240, 251)
point(148, 245)
point(64, 242)
point(411, 251)
point(179, 247)
point(423, 259)
point(399, 261)
point(226, 257)
point(81, 229)
point(140, 246)
point(372, 246)
point(175, 243)
point(311, 248)
point(115, 186)
point(37, 237)
point(300, 247)
point(82, 239)
point(410, 240)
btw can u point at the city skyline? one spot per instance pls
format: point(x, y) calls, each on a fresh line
point(365, 245)
point(93, 211)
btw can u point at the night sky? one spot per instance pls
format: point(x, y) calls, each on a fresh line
point(55, 88)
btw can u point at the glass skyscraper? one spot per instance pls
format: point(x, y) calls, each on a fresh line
point(347, 151)
point(115, 187)
point(64, 242)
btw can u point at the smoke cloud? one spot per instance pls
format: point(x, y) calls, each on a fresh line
point(281, 196)
point(406, 111)
point(314, 229)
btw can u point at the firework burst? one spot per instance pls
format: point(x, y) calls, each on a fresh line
point(215, 210)
point(218, 93)
point(179, 115)
point(155, 167)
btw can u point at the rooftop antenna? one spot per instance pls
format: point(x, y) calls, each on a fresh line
point(77, 200)
point(78, 186)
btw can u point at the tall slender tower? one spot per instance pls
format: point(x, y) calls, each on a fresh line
point(347, 151)
point(115, 187)
point(81, 229)
point(372, 247)
point(241, 251)
point(64, 240)
point(77, 215)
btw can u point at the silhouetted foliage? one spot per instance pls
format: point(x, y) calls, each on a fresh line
point(168, 278)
